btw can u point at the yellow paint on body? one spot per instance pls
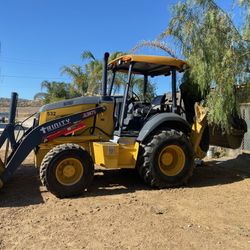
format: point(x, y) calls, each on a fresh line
point(198, 129)
point(171, 160)
point(114, 155)
point(104, 120)
point(158, 60)
point(69, 171)
point(104, 124)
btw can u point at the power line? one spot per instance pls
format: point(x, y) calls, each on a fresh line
point(29, 61)
point(33, 77)
point(26, 62)
point(5, 61)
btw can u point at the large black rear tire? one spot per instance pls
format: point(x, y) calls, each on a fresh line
point(166, 159)
point(67, 170)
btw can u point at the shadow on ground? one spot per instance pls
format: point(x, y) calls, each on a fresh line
point(112, 182)
point(219, 172)
point(213, 173)
point(24, 188)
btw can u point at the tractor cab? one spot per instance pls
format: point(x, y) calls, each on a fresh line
point(132, 111)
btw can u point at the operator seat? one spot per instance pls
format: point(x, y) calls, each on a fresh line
point(159, 101)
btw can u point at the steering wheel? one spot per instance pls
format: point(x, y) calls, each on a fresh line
point(137, 98)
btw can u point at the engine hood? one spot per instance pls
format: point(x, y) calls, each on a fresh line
point(72, 102)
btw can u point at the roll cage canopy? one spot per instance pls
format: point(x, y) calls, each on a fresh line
point(147, 64)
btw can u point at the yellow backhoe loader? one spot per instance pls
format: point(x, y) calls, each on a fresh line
point(69, 138)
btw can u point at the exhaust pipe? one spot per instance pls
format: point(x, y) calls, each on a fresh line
point(13, 104)
point(105, 74)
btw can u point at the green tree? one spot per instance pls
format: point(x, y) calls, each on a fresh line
point(217, 51)
point(40, 96)
point(87, 80)
point(138, 87)
point(79, 77)
point(54, 91)
point(93, 70)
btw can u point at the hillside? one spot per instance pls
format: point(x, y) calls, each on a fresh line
point(5, 102)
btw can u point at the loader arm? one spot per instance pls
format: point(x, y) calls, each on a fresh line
point(43, 133)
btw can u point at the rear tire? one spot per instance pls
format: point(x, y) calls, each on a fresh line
point(67, 170)
point(166, 159)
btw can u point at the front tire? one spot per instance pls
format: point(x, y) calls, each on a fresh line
point(166, 159)
point(67, 170)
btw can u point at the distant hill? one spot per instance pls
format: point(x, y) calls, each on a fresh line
point(5, 102)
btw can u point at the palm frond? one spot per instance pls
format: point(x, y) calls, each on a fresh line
point(88, 55)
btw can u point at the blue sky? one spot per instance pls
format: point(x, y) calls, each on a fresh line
point(39, 37)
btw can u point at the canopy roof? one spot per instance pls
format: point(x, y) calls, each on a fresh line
point(148, 65)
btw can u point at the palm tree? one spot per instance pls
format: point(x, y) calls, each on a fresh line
point(79, 77)
point(121, 78)
point(54, 91)
point(93, 70)
point(40, 96)
point(138, 86)
point(87, 80)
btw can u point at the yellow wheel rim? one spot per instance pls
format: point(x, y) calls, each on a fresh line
point(171, 160)
point(69, 171)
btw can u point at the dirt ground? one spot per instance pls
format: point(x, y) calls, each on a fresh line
point(120, 212)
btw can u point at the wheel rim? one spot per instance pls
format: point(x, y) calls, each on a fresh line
point(171, 160)
point(69, 171)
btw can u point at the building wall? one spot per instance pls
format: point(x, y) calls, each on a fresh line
point(245, 112)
